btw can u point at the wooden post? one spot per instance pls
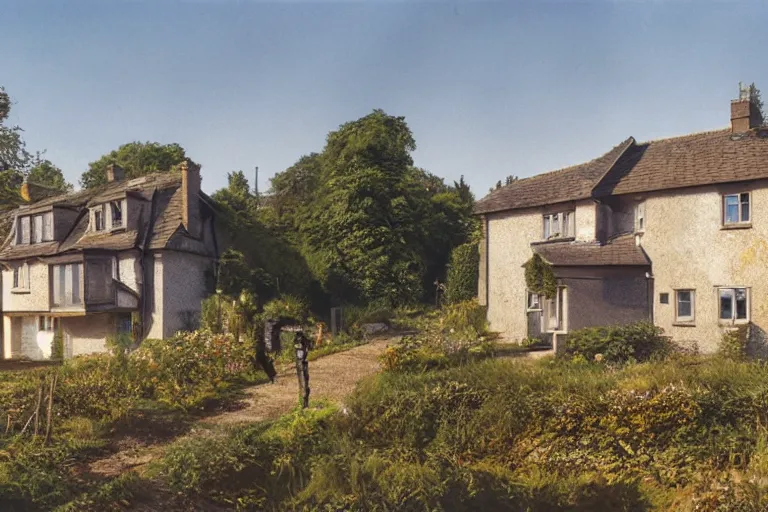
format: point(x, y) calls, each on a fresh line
point(8, 424)
point(50, 409)
point(39, 402)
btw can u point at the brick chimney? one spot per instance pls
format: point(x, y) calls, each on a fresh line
point(190, 190)
point(745, 113)
point(115, 173)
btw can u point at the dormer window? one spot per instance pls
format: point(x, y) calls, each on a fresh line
point(33, 229)
point(116, 207)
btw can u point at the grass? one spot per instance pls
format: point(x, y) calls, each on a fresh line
point(686, 433)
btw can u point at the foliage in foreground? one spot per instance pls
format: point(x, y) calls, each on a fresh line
point(619, 344)
point(687, 433)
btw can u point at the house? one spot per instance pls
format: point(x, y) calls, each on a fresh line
point(674, 231)
point(132, 256)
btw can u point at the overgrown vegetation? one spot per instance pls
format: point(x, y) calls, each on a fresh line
point(540, 277)
point(463, 271)
point(676, 432)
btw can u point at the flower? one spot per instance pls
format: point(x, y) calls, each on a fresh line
point(598, 357)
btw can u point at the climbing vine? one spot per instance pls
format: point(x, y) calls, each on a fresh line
point(539, 277)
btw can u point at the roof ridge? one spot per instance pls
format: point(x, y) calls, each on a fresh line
point(675, 138)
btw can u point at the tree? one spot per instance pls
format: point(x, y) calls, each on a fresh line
point(295, 187)
point(45, 173)
point(136, 159)
point(13, 153)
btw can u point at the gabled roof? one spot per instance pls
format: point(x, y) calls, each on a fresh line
point(621, 250)
point(705, 158)
point(167, 217)
point(569, 184)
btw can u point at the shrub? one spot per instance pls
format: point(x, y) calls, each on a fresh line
point(463, 271)
point(287, 307)
point(619, 344)
point(734, 343)
point(539, 277)
point(57, 345)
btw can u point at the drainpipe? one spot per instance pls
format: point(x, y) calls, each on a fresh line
point(486, 238)
point(649, 279)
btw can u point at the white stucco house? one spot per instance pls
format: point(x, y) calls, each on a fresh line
point(673, 231)
point(133, 256)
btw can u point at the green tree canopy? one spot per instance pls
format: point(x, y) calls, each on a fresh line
point(136, 159)
point(13, 153)
point(43, 172)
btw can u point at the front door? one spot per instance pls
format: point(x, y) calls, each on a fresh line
point(535, 314)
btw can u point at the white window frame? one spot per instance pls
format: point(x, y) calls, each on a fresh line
point(102, 213)
point(47, 234)
point(640, 222)
point(46, 323)
point(116, 205)
point(533, 302)
point(559, 303)
point(26, 219)
point(686, 319)
point(740, 204)
point(731, 290)
point(21, 277)
point(562, 219)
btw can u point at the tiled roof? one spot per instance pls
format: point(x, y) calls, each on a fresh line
point(621, 250)
point(569, 184)
point(691, 160)
point(167, 217)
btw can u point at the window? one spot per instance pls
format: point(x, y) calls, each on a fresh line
point(66, 284)
point(555, 311)
point(47, 227)
point(99, 275)
point(640, 217)
point(558, 225)
point(21, 277)
point(734, 304)
point(46, 323)
point(98, 218)
point(124, 323)
point(736, 208)
point(37, 229)
point(684, 305)
point(116, 207)
point(24, 230)
point(534, 301)
point(664, 298)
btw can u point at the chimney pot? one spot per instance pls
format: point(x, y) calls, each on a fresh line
point(115, 173)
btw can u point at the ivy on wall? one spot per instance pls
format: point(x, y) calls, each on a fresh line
point(539, 277)
point(461, 284)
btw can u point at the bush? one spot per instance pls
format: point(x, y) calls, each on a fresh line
point(463, 271)
point(619, 344)
point(734, 343)
point(57, 345)
point(287, 307)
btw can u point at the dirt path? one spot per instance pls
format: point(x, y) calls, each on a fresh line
point(332, 377)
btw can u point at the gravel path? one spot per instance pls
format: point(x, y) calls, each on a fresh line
point(332, 377)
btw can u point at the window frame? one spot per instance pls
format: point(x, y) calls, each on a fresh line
point(99, 218)
point(532, 305)
point(640, 217)
point(46, 323)
point(21, 281)
point(687, 319)
point(739, 206)
point(734, 320)
point(559, 303)
point(116, 205)
point(563, 218)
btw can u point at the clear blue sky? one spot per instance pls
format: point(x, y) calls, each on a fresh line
point(488, 89)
